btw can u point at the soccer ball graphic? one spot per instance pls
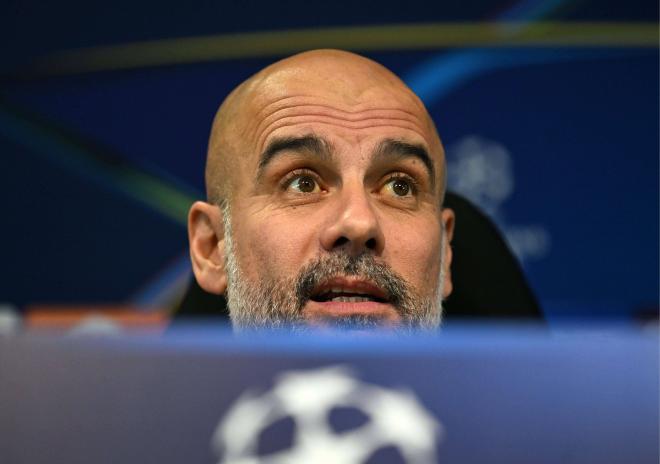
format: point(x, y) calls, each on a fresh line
point(309, 402)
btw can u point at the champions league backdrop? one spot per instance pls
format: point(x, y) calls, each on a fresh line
point(548, 110)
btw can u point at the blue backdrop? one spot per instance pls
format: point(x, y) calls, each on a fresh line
point(548, 111)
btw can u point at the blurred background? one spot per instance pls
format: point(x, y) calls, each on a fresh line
point(548, 110)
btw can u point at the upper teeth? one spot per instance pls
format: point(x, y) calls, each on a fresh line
point(346, 290)
point(350, 299)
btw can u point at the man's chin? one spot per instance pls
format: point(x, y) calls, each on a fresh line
point(352, 316)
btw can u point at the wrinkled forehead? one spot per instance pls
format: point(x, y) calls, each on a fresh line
point(353, 99)
point(317, 92)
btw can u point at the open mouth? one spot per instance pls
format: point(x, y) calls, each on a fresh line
point(348, 291)
point(346, 297)
point(351, 302)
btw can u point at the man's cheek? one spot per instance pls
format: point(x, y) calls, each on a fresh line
point(276, 249)
point(418, 260)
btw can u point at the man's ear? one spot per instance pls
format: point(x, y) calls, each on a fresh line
point(448, 221)
point(207, 246)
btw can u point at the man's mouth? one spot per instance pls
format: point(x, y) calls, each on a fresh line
point(341, 295)
point(348, 290)
point(351, 301)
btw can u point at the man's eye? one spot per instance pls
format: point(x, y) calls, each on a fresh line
point(400, 187)
point(304, 184)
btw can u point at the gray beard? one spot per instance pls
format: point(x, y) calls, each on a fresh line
point(278, 303)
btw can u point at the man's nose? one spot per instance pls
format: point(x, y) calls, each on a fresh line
point(354, 225)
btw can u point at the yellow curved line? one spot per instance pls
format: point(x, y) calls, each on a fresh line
point(362, 38)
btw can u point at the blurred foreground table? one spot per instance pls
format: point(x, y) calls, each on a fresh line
point(197, 394)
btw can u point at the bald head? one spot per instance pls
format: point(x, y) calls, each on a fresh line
point(349, 83)
point(331, 177)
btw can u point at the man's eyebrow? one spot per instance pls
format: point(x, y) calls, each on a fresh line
point(306, 143)
point(401, 149)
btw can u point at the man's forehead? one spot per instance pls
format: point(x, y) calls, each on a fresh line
point(293, 97)
point(342, 87)
point(347, 91)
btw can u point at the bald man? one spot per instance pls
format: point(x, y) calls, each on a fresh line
point(325, 179)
